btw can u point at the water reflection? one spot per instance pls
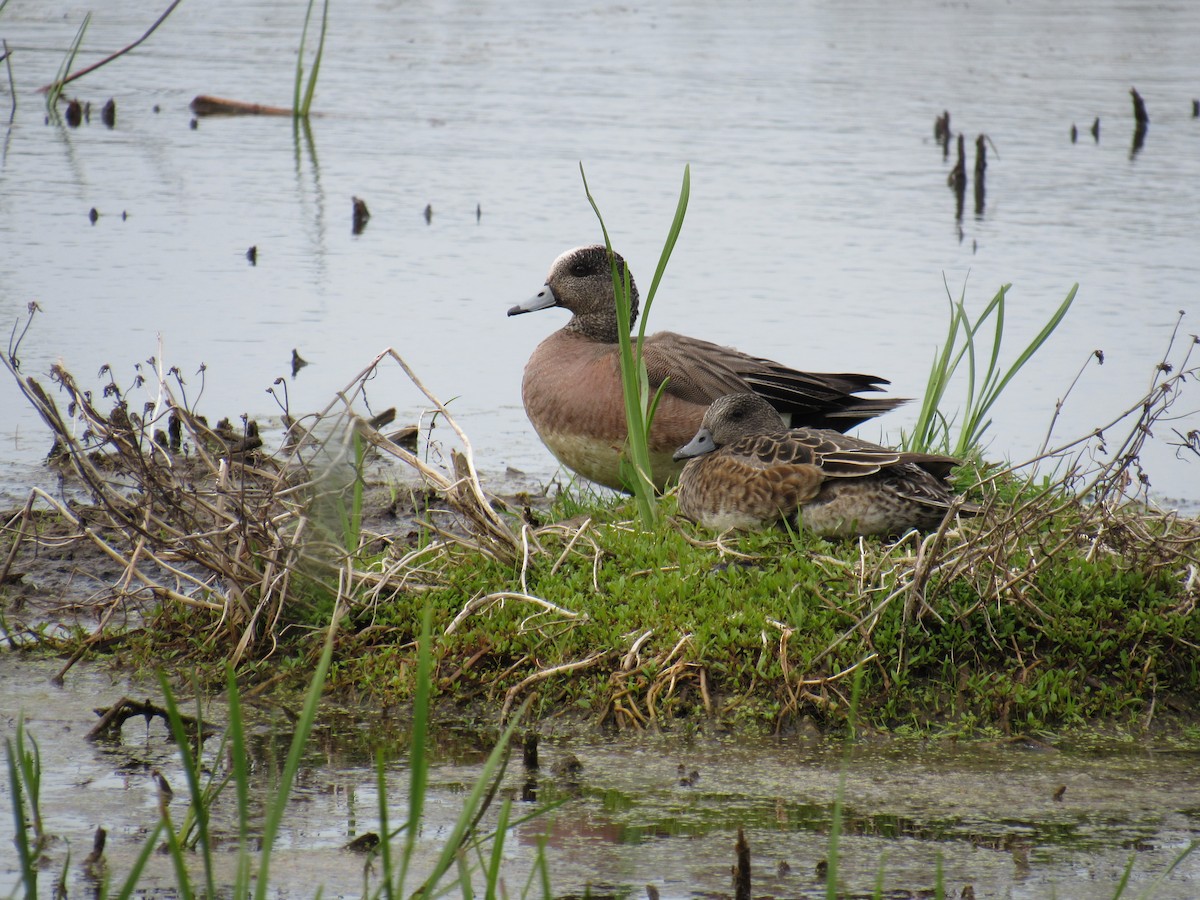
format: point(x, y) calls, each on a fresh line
point(995, 815)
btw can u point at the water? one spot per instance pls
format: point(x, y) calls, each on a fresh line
point(820, 230)
point(987, 811)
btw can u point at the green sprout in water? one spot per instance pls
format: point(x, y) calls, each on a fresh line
point(301, 106)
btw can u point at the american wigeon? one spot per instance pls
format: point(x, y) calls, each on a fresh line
point(746, 469)
point(572, 384)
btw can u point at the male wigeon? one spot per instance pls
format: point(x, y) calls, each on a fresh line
point(746, 469)
point(572, 384)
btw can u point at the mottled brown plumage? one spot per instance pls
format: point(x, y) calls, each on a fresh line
point(746, 469)
point(572, 384)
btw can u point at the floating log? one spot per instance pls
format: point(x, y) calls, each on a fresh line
point(204, 105)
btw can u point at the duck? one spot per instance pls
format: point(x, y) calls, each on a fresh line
point(572, 393)
point(745, 469)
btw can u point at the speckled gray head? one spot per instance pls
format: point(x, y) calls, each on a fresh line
point(581, 280)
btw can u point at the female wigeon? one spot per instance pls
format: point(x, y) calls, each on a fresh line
point(572, 384)
point(746, 469)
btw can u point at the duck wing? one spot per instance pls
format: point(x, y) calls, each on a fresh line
point(701, 371)
point(837, 455)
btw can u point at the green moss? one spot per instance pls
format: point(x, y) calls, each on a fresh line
point(754, 632)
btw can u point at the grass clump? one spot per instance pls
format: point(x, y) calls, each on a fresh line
point(932, 432)
point(638, 628)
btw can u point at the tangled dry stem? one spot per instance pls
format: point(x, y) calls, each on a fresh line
point(209, 519)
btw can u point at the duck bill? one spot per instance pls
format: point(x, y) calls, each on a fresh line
point(543, 299)
point(699, 445)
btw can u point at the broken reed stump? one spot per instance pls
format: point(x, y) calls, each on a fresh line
point(941, 132)
point(957, 179)
point(741, 868)
point(980, 169)
point(359, 216)
point(112, 718)
point(1139, 109)
point(1141, 120)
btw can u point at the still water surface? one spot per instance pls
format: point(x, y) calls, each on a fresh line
point(820, 232)
point(987, 812)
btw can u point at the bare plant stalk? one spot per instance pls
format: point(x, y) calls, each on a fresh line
point(60, 83)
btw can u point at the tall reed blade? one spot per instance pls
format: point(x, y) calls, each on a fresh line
point(932, 431)
point(418, 762)
point(301, 106)
point(635, 381)
point(56, 87)
point(191, 772)
point(26, 854)
point(304, 726)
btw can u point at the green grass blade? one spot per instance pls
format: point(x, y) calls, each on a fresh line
point(464, 876)
point(1152, 889)
point(970, 437)
point(183, 882)
point(199, 803)
point(633, 382)
point(543, 869)
point(135, 873)
point(299, 739)
point(1124, 882)
point(241, 781)
point(474, 805)
point(352, 518)
point(20, 823)
point(56, 88)
point(311, 87)
point(493, 871)
point(418, 762)
point(685, 193)
point(385, 838)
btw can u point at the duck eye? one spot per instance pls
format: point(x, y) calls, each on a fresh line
point(579, 270)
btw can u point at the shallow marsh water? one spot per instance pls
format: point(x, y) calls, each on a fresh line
point(988, 811)
point(819, 233)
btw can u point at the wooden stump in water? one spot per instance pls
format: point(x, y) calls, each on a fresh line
point(1139, 109)
point(741, 868)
